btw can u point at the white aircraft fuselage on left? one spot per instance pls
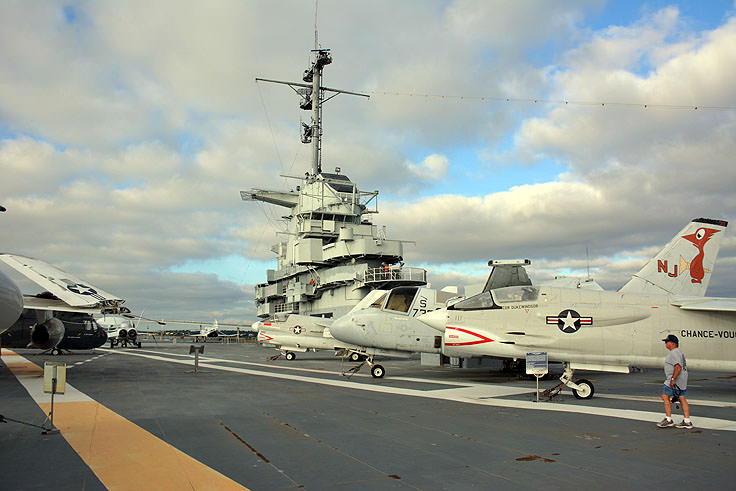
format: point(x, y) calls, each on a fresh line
point(11, 302)
point(606, 331)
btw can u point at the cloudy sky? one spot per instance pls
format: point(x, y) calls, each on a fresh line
point(128, 128)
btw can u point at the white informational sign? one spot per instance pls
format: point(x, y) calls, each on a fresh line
point(54, 370)
point(537, 363)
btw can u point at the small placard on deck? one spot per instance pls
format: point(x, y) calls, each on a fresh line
point(537, 363)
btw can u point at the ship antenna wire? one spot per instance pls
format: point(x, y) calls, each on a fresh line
point(270, 128)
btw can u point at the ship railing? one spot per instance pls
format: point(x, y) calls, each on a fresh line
point(355, 197)
point(289, 307)
point(395, 273)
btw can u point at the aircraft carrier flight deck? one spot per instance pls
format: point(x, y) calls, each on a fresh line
point(143, 419)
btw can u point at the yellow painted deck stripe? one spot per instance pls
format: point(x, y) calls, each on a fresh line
point(120, 453)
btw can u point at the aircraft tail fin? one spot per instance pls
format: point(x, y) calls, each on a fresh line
point(685, 264)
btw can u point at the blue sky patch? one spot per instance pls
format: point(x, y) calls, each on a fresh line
point(233, 268)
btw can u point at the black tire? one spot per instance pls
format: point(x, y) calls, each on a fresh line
point(355, 357)
point(377, 371)
point(586, 391)
point(290, 356)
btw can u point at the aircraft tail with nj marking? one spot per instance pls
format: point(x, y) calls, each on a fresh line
point(685, 264)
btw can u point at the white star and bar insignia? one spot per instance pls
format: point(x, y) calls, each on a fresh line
point(569, 321)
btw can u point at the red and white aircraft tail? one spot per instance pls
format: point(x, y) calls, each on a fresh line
point(684, 265)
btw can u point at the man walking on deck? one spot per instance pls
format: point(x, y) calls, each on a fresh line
point(675, 383)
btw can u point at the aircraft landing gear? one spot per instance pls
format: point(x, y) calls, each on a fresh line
point(356, 357)
point(377, 371)
point(56, 352)
point(585, 389)
point(289, 355)
point(581, 389)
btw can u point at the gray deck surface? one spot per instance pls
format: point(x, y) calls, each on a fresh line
point(418, 428)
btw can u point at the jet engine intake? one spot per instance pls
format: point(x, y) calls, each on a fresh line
point(47, 334)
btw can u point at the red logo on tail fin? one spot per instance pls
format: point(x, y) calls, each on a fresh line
point(699, 239)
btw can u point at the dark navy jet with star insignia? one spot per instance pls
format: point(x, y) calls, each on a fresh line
point(601, 330)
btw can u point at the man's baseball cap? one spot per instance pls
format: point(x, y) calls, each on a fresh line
point(671, 338)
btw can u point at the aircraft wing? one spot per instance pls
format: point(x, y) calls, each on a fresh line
point(37, 303)
point(163, 322)
point(711, 304)
point(68, 288)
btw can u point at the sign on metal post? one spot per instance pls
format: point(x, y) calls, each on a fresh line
point(537, 364)
point(54, 377)
point(54, 381)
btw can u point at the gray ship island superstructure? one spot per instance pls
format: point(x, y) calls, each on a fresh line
point(332, 255)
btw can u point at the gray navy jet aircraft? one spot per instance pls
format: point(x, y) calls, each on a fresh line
point(388, 326)
point(601, 330)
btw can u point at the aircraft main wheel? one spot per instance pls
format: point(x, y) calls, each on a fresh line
point(377, 371)
point(586, 390)
point(290, 356)
point(355, 357)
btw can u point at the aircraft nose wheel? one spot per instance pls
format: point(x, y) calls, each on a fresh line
point(290, 356)
point(585, 389)
point(355, 357)
point(377, 371)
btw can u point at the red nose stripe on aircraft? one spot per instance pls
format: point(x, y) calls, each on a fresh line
point(481, 339)
point(264, 337)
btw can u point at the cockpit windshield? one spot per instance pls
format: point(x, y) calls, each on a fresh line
point(494, 298)
point(516, 294)
point(400, 299)
point(378, 302)
point(476, 302)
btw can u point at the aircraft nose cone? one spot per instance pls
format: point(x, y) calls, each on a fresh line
point(435, 319)
point(342, 329)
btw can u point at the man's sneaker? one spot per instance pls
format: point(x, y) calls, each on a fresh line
point(665, 423)
point(685, 425)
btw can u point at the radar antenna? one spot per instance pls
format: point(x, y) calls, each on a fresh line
point(313, 97)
